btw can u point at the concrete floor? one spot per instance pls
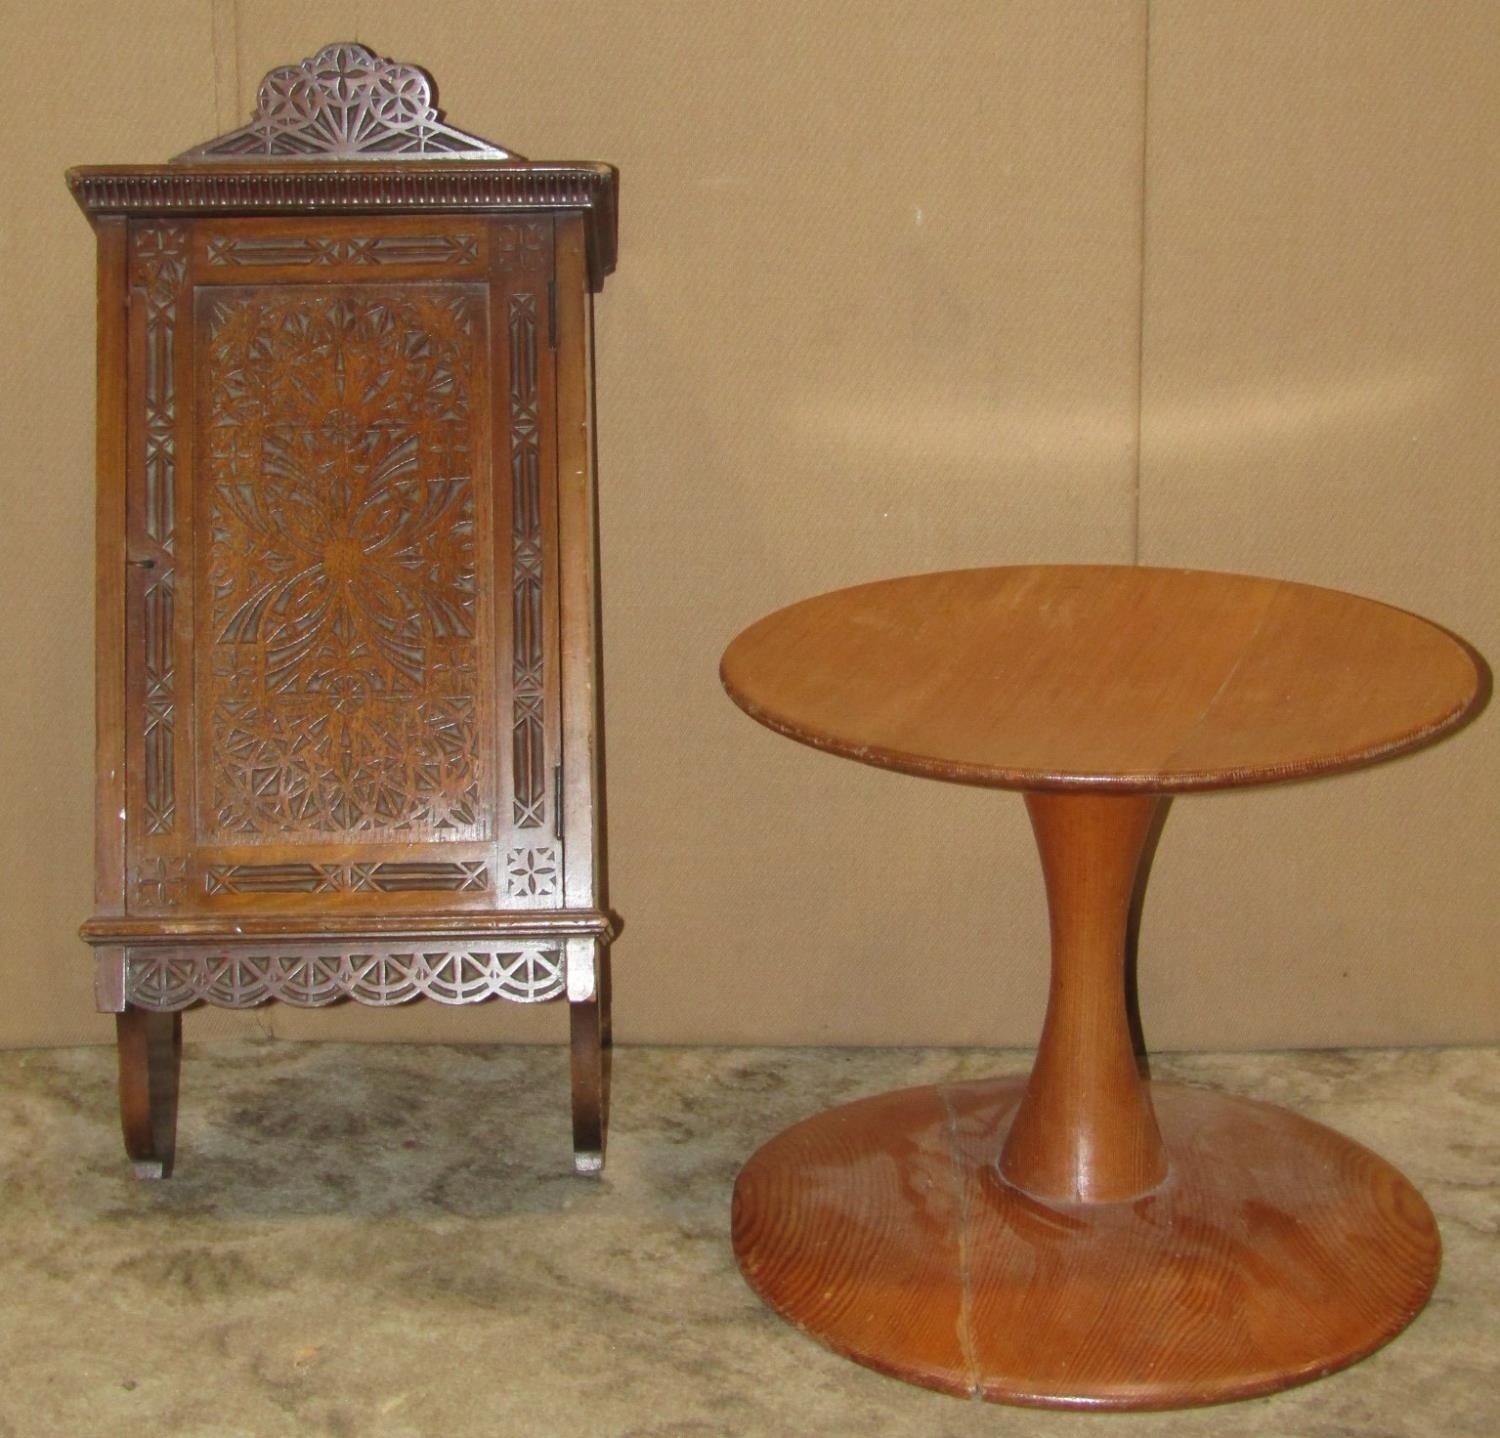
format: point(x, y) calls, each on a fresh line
point(386, 1242)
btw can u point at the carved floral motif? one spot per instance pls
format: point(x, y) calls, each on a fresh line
point(533, 872)
point(343, 692)
point(160, 883)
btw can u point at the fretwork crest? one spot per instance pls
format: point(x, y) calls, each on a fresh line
point(346, 103)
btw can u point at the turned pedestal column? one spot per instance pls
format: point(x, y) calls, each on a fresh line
point(1085, 1131)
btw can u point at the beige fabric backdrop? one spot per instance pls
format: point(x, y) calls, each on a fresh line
point(902, 286)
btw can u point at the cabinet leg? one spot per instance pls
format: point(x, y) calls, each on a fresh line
point(150, 1052)
point(589, 1018)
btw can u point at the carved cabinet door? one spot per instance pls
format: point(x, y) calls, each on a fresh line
point(341, 619)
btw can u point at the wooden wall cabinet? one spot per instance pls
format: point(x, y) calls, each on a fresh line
point(347, 594)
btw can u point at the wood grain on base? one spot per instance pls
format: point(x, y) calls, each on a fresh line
point(1274, 1252)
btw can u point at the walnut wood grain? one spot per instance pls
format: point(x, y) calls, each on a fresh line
point(1130, 680)
point(348, 707)
point(1274, 1252)
point(1085, 1239)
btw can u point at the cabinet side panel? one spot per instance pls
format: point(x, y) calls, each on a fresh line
point(109, 606)
point(581, 735)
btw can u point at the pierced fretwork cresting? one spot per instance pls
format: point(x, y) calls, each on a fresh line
point(346, 103)
point(380, 976)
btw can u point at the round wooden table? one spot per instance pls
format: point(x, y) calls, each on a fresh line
point(1084, 1238)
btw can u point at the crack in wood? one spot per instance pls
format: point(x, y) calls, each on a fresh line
point(965, 1256)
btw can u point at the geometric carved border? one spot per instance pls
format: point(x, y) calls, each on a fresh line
point(292, 250)
point(380, 878)
point(528, 582)
point(159, 269)
point(310, 979)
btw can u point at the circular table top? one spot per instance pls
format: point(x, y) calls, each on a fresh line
point(1107, 678)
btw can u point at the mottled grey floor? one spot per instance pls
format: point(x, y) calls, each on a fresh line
point(386, 1242)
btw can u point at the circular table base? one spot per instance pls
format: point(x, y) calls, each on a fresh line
point(1275, 1251)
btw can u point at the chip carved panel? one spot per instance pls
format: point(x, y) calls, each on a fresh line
point(343, 694)
point(158, 672)
point(524, 241)
point(528, 873)
point(375, 878)
point(158, 273)
point(533, 872)
point(159, 267)
point(160, 882)
point(528, 726)
point(292, 250)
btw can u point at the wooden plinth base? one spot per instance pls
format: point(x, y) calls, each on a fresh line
point(1274, 1252)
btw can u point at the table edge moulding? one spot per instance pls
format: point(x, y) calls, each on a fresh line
point(1084, 1237)
point(347, 680)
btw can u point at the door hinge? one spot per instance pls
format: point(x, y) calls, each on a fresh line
point(557, 814)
